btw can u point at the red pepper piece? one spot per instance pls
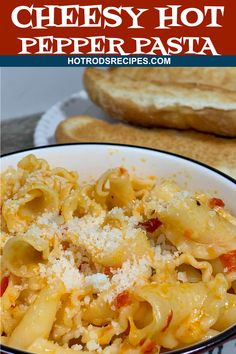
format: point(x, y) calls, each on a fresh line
point(108, 270)
point(122, 299)
point(229, 260)
point(3, 285)
point(169, 319)
point(147, 346)
point(122, 171)
point(150, 225)
point(216, 202)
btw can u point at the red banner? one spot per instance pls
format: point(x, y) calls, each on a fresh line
point(118, 27)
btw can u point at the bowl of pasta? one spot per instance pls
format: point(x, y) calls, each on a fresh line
point(115, 249)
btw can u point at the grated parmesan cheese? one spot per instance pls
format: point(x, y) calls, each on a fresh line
point(97, 238)
point(65, 270)
point(87, 300)
point(131, 274)
point(164, 254)
point(98, 281)
point(93, 345)
point(45, 227)
point(77, 347)
point(182, 276)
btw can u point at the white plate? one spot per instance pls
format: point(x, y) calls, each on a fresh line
point(77, 104)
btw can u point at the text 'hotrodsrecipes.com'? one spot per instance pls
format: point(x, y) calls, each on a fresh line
point(118, 61)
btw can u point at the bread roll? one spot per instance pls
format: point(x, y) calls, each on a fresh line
point(160, 104)
point(214, 151)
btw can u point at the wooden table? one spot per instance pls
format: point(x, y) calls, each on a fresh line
point(18, 134)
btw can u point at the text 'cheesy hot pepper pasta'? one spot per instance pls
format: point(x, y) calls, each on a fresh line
point(109, 266)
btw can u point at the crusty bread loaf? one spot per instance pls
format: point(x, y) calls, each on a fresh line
point(218, 77)
point(174, 105)
point(214, 151)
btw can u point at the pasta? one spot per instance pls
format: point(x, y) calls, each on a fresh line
point(108, 267)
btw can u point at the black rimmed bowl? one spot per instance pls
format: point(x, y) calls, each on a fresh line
point(92, 159)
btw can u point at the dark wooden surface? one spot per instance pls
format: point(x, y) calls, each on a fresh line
point(18, 134)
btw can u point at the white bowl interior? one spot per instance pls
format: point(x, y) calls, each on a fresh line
point(92, 160)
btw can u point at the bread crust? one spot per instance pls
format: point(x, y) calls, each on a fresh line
point(218, 77)
point(214, 151)
point(186, 105)
point(69, 130)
